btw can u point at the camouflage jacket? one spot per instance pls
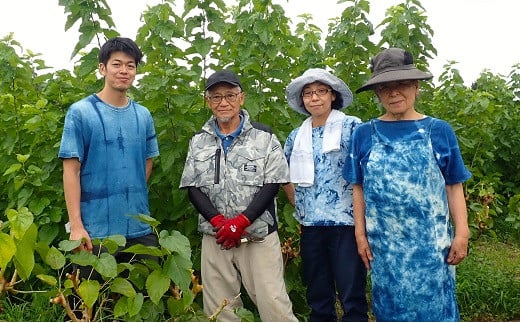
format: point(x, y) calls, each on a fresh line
point(231, 180)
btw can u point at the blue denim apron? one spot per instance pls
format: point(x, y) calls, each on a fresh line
point(409, 231)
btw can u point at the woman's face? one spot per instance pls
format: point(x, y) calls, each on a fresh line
point(317, 99)
point(398, 98)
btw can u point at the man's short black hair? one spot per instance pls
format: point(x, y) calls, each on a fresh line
point(119, 44)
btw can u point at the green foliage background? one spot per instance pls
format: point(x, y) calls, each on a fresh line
point(255, 39)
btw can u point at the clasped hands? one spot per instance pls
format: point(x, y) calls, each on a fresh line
point(229, 231)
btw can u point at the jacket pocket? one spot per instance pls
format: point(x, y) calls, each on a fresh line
point(250, 168)
point(206, 168)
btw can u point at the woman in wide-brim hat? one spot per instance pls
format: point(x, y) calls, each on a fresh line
point(323, 199)
point(407, 173)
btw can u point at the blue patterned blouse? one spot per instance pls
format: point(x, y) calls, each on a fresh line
point(329, 201)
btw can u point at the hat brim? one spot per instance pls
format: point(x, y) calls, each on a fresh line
point(401, 74)
point(294, 89)
point(208, 86)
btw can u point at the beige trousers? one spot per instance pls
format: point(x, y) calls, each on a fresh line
point(256, 265)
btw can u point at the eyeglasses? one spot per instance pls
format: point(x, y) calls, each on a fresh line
point(389, 87)
point(319, 92)
point(230, 97)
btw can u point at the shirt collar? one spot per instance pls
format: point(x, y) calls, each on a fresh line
point(235, 133)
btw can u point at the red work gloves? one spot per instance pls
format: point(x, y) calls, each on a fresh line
point(217, 221)
point(231, 231)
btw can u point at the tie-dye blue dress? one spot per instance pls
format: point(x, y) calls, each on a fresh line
point(409, 230)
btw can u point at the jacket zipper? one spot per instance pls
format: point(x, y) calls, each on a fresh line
point(216, 180)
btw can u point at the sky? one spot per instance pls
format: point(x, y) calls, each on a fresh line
point(477, 34)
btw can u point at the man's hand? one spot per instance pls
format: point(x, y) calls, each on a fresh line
point(81, 234)
point(231, 231)
point(217, 221)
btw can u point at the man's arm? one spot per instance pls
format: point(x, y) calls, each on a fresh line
point(261, 201)
point(149, 166)
point(202, 203)
point(72, 190)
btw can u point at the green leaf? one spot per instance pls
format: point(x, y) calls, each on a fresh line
point(68, 245)
point(23, 196)
point(83, 258)
point(118, 239)
point(89, 291)
point(122, 286)
point(20, 221)
point(113, 243)
point(18, 182)
point(177, 307)
point(178, 269)
point(147, 219)
point(69, 284)
point(135, 304)
point(24, 256)
point(175, 242)
point(245, 315)
point(140, 249)
point(13, 168)
point(22, 158)
point(7, 250)
point(55, 258)
point(156, 285)
point(48, 232)
point(106, 265)
point(50, 280)
point(121, 307)
point(37, 205)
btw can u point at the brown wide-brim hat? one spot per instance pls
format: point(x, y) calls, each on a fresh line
point(393, 64)
point(293, 93)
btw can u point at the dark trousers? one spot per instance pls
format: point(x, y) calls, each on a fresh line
point(332, 266)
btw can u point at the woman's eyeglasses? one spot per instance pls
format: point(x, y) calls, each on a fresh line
point(319, 92)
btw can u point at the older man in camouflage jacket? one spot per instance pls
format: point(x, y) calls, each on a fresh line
point(233, 172)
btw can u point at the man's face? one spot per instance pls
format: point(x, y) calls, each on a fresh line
point(225, 101)
point(119, 72)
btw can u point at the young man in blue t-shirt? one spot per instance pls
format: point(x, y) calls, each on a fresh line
point(107, 147)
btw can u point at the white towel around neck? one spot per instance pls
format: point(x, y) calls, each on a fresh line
point(301, 164)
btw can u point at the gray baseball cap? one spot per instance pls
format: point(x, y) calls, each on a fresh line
point(225, 76)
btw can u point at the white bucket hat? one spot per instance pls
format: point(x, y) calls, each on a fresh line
point(293, 92)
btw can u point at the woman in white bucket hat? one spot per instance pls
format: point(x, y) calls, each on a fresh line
point(323, 200)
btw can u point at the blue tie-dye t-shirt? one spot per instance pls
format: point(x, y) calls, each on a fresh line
point(445, 147)
point(112, 145)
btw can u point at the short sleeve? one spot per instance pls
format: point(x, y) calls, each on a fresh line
point(289, 144)
point(72, 144)
point(357, 151)
point(152, 147)
point(447, 153)
point(277, 167)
